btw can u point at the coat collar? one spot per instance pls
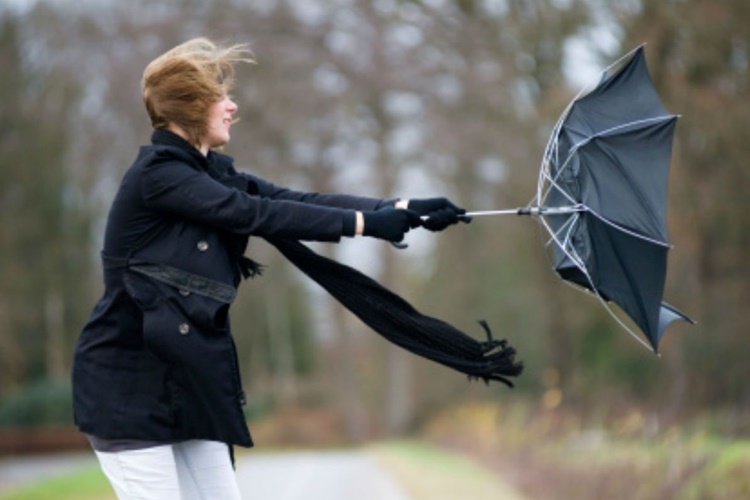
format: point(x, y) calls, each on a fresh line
point(165, 137)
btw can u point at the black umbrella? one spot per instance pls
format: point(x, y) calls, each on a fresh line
point(602, 195)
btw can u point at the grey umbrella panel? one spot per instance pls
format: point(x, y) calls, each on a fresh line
point(602, 193)
point(609, 157)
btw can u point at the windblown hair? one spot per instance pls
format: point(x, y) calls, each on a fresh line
point(180, 85)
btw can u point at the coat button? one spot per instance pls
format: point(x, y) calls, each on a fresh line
point(202, 245)
point(184, 328)
point(184, 292)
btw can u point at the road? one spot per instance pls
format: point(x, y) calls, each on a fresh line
point(309, 475)
point(17, 471)
point(285, 475)
point(315, 475)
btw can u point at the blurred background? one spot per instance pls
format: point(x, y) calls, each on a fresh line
point(407, 99)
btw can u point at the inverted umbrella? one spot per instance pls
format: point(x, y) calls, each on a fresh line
point(602, 195)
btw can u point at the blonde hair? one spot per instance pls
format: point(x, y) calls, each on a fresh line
point(180, 85)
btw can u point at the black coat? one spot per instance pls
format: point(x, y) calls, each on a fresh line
point(156, 360)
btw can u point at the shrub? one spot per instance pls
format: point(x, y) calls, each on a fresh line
point(46, 402)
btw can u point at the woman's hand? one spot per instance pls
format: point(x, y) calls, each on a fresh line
point(438, 213)
point(389, 223)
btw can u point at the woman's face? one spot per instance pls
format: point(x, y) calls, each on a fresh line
point(219, 122)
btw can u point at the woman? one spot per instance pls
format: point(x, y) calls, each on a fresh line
point(157, 387)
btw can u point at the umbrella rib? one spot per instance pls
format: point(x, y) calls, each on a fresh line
point(622, 323)
point(574, 150)
point(623, 57)
point(568, 227)
point(609, 310)
point(594, 83)
point(628, 231)
point(553, 181)
point(601, 133)
point(569, 233)
point(552, 143)
point(545, 173)
point(572, 254)
point(552, 148)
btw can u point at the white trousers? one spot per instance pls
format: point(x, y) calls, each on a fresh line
point(191, 470)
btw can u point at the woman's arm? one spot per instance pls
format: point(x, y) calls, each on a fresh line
point(347, 201)
point(174, 188)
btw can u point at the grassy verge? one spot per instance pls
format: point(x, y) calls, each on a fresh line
point(88, 484)
point(554, 454)
point(516, 447)
point(430, 472)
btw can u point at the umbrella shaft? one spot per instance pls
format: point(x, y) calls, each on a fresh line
point(528, 211)
point(493, 212)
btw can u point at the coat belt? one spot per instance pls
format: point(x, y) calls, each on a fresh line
point(187, 281)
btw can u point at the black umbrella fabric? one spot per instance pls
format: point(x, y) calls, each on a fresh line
point(604, 180)
point(602, 195)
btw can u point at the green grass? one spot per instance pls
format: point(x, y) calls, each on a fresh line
point(88, 484)
point(725, 475)
point(430, 472)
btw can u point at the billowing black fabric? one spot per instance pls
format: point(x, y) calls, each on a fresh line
point(398, 321)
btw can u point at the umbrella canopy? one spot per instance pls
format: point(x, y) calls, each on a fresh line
point(602, 194)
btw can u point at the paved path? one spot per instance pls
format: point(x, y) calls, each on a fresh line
point(308, 475)
point(16, 471)
point(315, 475)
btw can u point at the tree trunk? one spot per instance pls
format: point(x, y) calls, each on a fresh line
point(54, 320)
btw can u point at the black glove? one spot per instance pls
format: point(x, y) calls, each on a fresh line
point(425, 206)
point(440, 219)
point(390, 223)
point(440, 213)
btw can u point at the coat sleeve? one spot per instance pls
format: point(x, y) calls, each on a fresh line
point(346, 201)
point(175, 188)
